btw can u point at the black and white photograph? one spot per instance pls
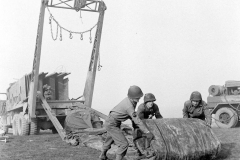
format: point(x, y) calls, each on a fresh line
point(120, 80)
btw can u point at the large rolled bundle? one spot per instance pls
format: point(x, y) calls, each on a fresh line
point(174, 138)
point(215, 90)
point(181, 139)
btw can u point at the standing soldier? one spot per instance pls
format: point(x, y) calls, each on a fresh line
point(196, 108)
point(120, 113)
point(148, 109)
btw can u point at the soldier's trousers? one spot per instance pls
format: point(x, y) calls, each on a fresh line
point(114, 134)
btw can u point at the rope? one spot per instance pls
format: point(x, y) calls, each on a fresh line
point(230, 104)
point(51, 18)
point(60, 68)
point(234, 108)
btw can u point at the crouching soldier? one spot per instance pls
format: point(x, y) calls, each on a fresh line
point(148, 109)
point(196, 108)
point(120, 113)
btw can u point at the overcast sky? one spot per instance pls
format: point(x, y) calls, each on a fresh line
point(167, 47)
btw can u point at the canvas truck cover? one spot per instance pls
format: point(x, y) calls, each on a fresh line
point(3, 109)
point(80, 120)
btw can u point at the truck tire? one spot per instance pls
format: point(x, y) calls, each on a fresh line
point(236, 116)
point(34, 126)
point(226, 118)
point(14, 125)
point(23, 126)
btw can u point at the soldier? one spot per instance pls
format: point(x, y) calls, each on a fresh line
point(120, 113)
point(47, 93)
point(196, 108)
point(148, 109)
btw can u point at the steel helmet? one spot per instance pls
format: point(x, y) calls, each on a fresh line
point(135, 92)
point(196, 96)
point(149, 97)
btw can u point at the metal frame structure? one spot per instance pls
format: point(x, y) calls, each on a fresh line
point(87, 5)
point(90, 5)
point(25, 110)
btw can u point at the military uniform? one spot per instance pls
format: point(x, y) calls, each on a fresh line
point(120, 113)
point(144, 112)
point(200, 111)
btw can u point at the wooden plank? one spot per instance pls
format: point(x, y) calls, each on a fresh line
point(103, 116)
point(89, 85)
point(36, 62)
point(52, 84)
point(52, 117)
point(62, 88)
point(22, 89)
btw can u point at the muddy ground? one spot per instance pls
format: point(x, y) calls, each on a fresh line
point(47, 146)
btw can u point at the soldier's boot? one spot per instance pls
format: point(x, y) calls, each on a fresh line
point(119, 157)
point(139, 155)
point(103, 155)
point(138, 152)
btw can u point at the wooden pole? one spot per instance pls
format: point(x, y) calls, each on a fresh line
point(89, 85)
point(36, 62)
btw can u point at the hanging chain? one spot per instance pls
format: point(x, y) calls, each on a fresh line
point(81, 36)
point(60, 38)
point(70, 35)
point(51, 18)
point(90, 38)
point(50, 22)
point(99, 65)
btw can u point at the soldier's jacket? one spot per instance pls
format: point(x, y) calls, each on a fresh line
point(200, 112)
point(126, 110)
point(144, 112)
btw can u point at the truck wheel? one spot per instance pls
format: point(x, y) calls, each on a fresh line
point(236, 117)
point(23, 126)
point(34, 129)
point(14, 125)
point(226, 118)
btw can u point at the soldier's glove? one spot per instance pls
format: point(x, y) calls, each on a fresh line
point(150, 116)
point(208, 124)
point(148, 135)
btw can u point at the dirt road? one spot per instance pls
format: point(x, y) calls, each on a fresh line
point(47, 146)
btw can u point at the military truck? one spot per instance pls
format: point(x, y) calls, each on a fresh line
point(14, 111)
point(39, 100)
point(224, 102)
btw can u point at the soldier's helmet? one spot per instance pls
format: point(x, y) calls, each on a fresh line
point(135, 92)
point(196, 96)
point(149, 97)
